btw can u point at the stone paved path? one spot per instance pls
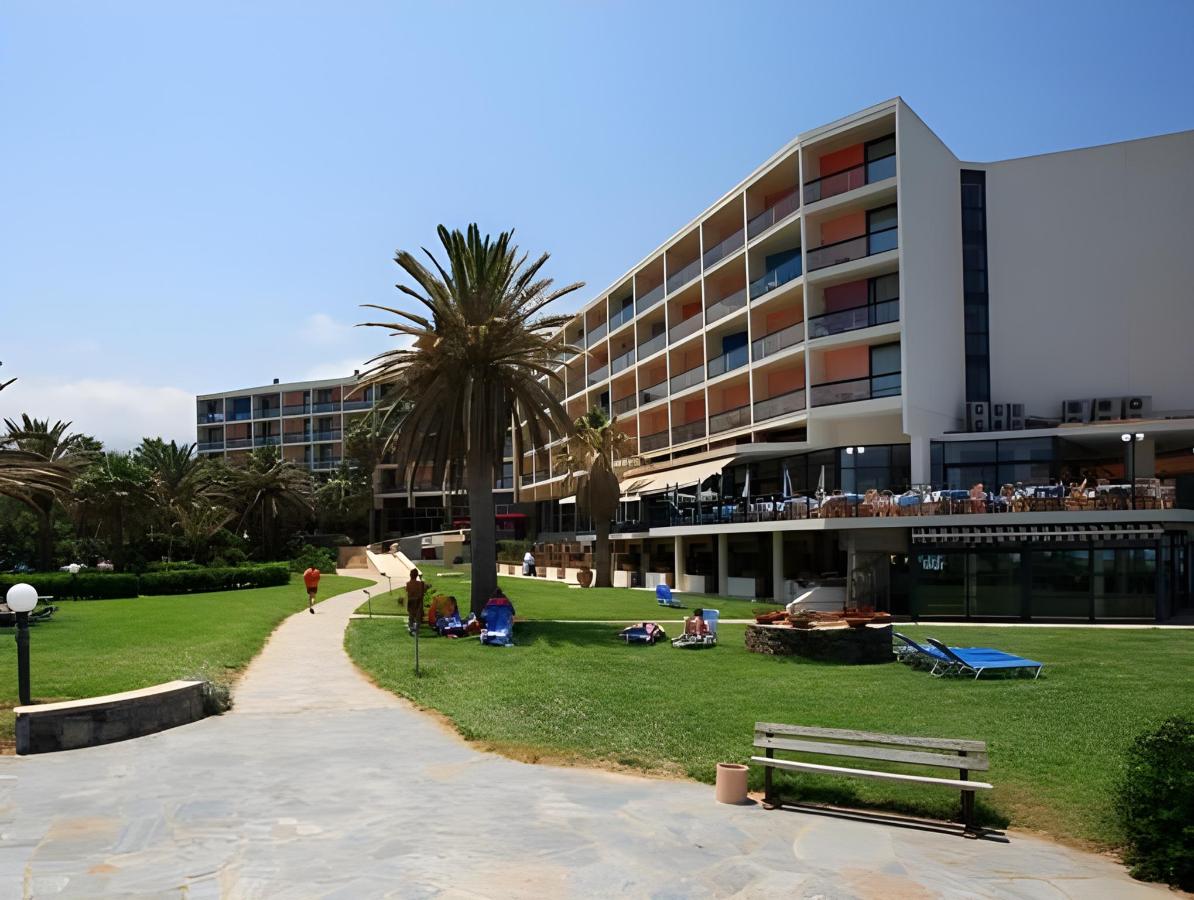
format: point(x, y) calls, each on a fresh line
point(321, 785)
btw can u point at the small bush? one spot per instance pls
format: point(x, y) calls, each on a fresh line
point(320, 557)
point(513, 551)
point(85, 585)
point(1156, 804)
point(178, 566)
point(215, 579)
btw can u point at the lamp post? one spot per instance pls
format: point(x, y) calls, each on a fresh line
point(73, 568)
point(1131, 440)
point(21, 599)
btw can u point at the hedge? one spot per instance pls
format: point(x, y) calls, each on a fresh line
point(105, 586)
point(86, 585)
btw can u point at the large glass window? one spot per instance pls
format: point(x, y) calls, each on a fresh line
point(940, 584)
point(996, 585)
point(1060, 586)
point(881, 229)
point(1125, 583)
point(880, 159)
point(1028, 461)
point(885, 370)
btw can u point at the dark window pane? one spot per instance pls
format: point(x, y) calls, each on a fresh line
point(940, 585)
point(885, 359)
point(971, 452)
point(974, 280)
point(1060, 584)
point(885, 287)
point(882, 147)
point(976, 344)
point(879, 219)
point(997, 585)
point(1125, 583)
point(1026, 449)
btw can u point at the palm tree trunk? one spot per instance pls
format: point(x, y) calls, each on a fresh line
point(45, 541)
point(601, 565)
point(482, 532)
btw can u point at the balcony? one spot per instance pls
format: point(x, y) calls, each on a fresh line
point(597, 376)
point(684, 275)
point(239, 416)
point(728, 362)
point(654, 441)
point(654, 345)
point(852, 319)
point(597, 334)
point(209, 446)
point(618, 319)
point(731, 418)
point(688, 326)
point(303, 409)
point(780, 275)
point(652, 393)
point(330, 406)
point(268, 412)
point(778, 211)
point(526, 478)
point(622, 362)
point(771, 344)
point(326, 464)
point(354, 405)
point(238, 443)
point(687, 379)
point(333, 435)
point(689, 432)
point(296, 437)
point(781, 405)
point(267, 440)
point(850, 249)
point(725, 306)
point(853, 389)
point(850, 179)
point(625, 405)
point(723, 248)
point(208, 418)
point(649, 299)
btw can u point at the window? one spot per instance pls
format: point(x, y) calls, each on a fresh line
point(996, 583)
point(940, 584)
point(880, 159)
point(961, 464)
point(1061, 584)
point(885, 370)
point(881, 229)
point(975, 298)
point(1125, 583)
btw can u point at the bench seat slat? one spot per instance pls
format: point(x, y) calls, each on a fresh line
point(978, 762)
point(871, 773)
point(872, 737)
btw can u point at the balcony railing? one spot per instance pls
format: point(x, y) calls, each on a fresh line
point(323, 465)
point(780, 275)
point(649, 298)
point(731, 418)
point(238, 443)
point(723, 248)
point(781, 405)
point(625, 405)
point(689, 432)
point(267, 440)
point(620, 318)
point(852, 389)
point(270, 412)
point(526, 478)
point(209, 446)
point(688, 326)
point(330, 406)
point(597, 376)
point(621, 362)
point(859, 247)
point(297, 410)
point(596, 334)
point(728, 362)
point(726, 305)
point(652, 393)
point(242, 416)
point(779, 210)
point(852, 319)
point(770, 344)
point(296, 437)
point(353, 405)
point(207, 418)
point(850, 179)
point(684, 275)
point(649, 442)
point(687, 379)
point(333, 435)
point(654, 345)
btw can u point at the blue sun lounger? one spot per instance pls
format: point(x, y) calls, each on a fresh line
point(984, 659)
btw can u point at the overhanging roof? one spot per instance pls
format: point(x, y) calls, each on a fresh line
point(654, 482)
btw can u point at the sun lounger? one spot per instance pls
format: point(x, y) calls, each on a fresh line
point(663, 595)
point(984, 659)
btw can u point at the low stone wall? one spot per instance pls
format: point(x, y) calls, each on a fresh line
point(852, 646)
point(105, 720)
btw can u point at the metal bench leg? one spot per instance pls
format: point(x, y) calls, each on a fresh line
point(970, 829)
point(768, 793)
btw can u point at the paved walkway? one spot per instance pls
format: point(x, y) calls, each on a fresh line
point(321, 785)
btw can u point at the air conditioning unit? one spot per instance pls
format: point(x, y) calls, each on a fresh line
point(1107, 409)
point(998, 417)
point(1138, 407)
point(977, 414)
point(1075, 411)
point(1015, 417)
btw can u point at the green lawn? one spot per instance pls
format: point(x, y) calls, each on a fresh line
point(100, 647)
point(535, 599)
point(571, 691)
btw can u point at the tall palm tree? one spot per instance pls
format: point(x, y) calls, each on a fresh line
point(593, 449)
point(480, 359)
point(365, 448)
point(115, 490)
point(268, 486)
point(185, 488)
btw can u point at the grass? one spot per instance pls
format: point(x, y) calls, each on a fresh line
point(542, 599)
point(570, 691)
point(100, 647)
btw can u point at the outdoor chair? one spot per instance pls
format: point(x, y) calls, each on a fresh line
point(984, 659)
point(663, 596)
point(704, 636)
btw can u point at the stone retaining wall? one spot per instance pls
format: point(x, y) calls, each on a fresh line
point(853, 646)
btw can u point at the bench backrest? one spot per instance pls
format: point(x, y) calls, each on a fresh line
point(945, 753)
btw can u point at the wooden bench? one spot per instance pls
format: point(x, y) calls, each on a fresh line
point(943, 753)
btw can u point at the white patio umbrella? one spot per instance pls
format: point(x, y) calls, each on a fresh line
point(821, 485)
point(746, 486)
point(787, 484)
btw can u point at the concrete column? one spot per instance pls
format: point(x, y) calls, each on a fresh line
point(678, 566)
point(921, 463)
point(777, 566)
point(1146, 458)
point(723, 564)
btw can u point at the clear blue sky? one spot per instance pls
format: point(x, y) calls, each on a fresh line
point(199, 199)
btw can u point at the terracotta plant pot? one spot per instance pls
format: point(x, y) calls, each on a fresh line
point(731, 783)
point(584, 577)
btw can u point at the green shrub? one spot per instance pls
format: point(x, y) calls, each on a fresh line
point(85, 585)
point(513, 551)
point(178, 566)
point(198, 581)
point(320, 557)
point(1156, 804)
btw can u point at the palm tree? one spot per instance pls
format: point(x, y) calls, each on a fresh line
point(269, 486)
point(480, 359)
point(117, 490)
point(593, 449)
point(365, 448)
point(184, 486)
point(344, 498)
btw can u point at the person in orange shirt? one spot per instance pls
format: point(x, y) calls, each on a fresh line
point(311, 580)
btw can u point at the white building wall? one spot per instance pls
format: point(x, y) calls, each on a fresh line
point(1091, 260)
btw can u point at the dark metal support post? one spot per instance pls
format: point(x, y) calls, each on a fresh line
point(768, 794)
point(23, 658)
point(967, 800)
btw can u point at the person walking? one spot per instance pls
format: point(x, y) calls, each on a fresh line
point(311, 580)
point(416, 589)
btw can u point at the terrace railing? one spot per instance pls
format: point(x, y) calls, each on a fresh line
point(725, 306)
point(683, 329)
point(852, 319)
point(649, 442)
point(780, 275)
point(621, 317)
point(836, 183)
point(622, 362)
point(770, 344)
point(649, 298)
point(778, 211)
point(723, 248)
point(738, 417)
point(780, 405)
point(688, 432)
point(853, 389)
point(728, 362)
point(654, 345)
point(652, 393)
point(850, 249)
point(683, 275)
point(685, 380)
point(625, 405)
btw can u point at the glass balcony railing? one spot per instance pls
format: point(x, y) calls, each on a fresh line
point(723, 248)
point(725, 306)
point(728, 362)
point(325, 464)
point(859, 247)
point(688, 432)
point(597, 376)
point(654, 345)
point(683, 275)
point(649, 298)
point(267, 412)
point(207, 418)
point(596, 334)
point(776, 212)
point(296, 437)
point(685, 380)
point(688, 326)
point(303, 409)
point(781, 405)
point(780, 275)
point(770, 344)
point(267, 440)
point(620, 318)
point(526, 478)
point(238, 443)
point(238, 416)
point(333, 435)
point(652, 393)
point(354, 405)
point(850, 179)
point(654, 441)
point(850, 390)
point(327, 407)
point(852, 319)
point(209, 446)
point(622, 362)
point(731, 418)
point(625, 405)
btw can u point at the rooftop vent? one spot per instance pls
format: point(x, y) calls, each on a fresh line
point(275, 381)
